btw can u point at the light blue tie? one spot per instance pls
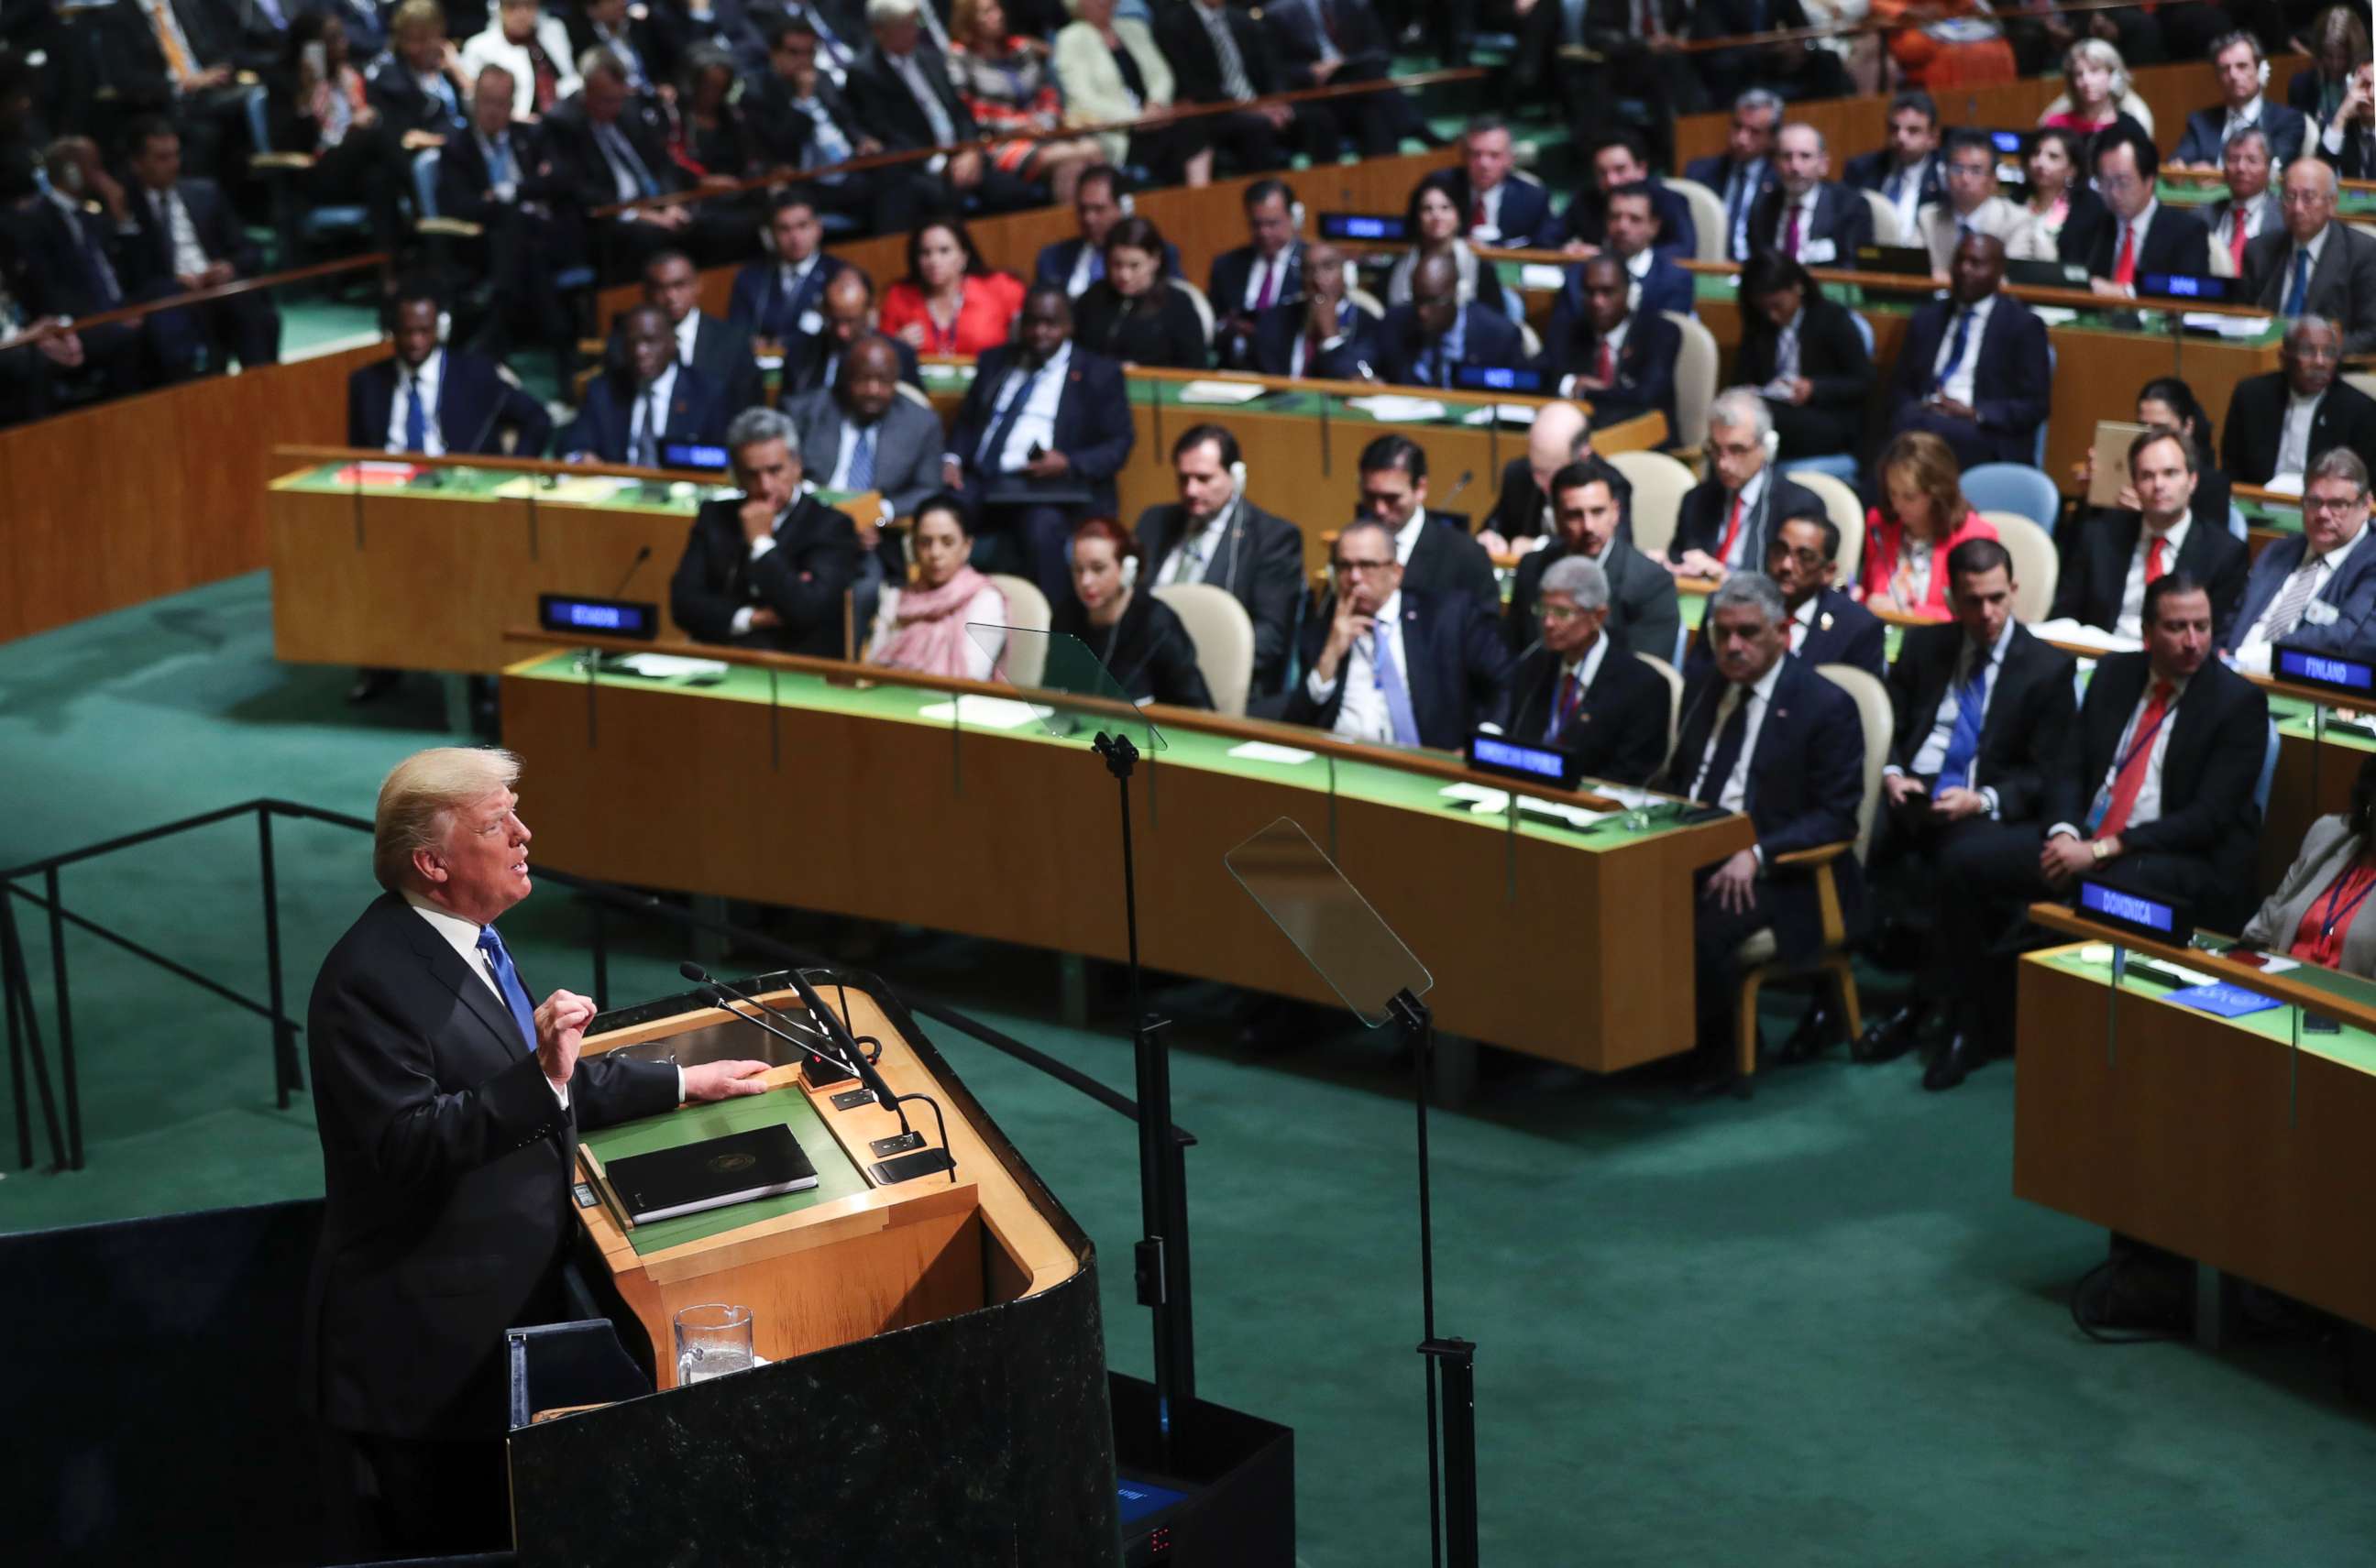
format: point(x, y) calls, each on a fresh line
point(1389, 679)
point(2299, 292)
point(507, 981)
point(861, 460)
point(416, 418)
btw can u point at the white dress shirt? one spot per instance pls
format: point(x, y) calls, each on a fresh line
point(1491, 230)
point(182, 235)
point(1036, 424)
point(1959, 387)
point(431, 375)
point(2248, 213)
point(2293, 438)
point(2147, 807)
point(2317, 247)
point(1786, 350)
point(1615, 341)
point(1406, 536)
point(760, 549)
point(1759, 694)
point(1363, 715)
point(1932, 754)
point(1905, 194)
point(1637, 268)
point(1802, 621)
point(1087, 267)
point(2136, 227)
point(2256, 647)
point(686, 331)
point(2133, 594)
point(1749, 493)
point(1191, 560)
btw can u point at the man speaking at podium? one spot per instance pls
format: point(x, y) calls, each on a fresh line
point(448, 1108)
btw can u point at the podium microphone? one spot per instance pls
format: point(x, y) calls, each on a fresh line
point(725, 998)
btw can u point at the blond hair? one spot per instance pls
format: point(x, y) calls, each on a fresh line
point(420, 797)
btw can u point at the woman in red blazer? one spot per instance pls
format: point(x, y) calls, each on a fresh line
point(1906, 540)
point(950, 303)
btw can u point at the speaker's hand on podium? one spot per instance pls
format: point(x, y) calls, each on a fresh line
point(560, 1030)
point(724, 1080)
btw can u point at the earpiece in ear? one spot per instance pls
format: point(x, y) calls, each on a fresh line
point(1129, 207)
point(1295, 215)
point(445, 326)
point(1773, 443)
point(2265, 73)
point(1238, 476)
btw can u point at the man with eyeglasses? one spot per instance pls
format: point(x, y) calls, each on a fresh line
point(1724, 523)
point(2314, 266)
point(2277, 422)
point(1580, 690)
point(2143, 237)
point(1826, 626)
point(1590, 500)
point(1437, 555)
point(2317, 590)
point(2250, 209)
point(1972, 205)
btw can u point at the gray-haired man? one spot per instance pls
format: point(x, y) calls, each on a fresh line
point(769, 570)
point(1579, 688)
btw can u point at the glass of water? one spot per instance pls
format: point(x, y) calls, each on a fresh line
point(712, 1339)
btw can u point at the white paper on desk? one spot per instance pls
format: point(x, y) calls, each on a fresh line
point(986, 713)
point(668, 666)
point(2285, 484)
point(2225, 326)
point(1508, 413)
point(2054, 316)
point(1485, 801)
point(1540, 275)
point(1388, 409)
point(2066, 630)
point(2273, 965)
point(1221, 392)
point(1632, 800)
point(1262, 751)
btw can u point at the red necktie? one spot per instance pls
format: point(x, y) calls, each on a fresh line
point(2237, 240)
point(2157, 558)
point(1606, 371)
point(1731, 532)
point(2131, 777)
point(1477, 212)
point(2124, 271)
point(1571, 697)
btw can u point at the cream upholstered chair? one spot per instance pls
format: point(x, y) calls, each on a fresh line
point(1674, 680)
point(1027, 611)
point(1660, 484)
point(1760, 960)
point(2036, 568)
point(1846, 513)
point(1224, 635)
point(1886, 230)
point(1707, 216)
point(1204, 306)
point(1696, 370)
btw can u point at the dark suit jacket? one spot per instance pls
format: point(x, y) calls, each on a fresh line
point(1226, 285)
point(1446, 561)
point(466, 189)
point(1276, 328)
point(1715, 172)
point(2027, 723)
point(1518, 507)
point(2178, 242)
point(814, 364)
point(1093, 422)
point(54, 274)
point(1645, 365)
point(1052, 268)
point(1491, 339)
point(2096, 569)
point(1295, 39)
point(1700, 521)
point(1619, 732)
point(885, 107)
point(1260, 561)
point(1843, 218)
point(447, 1164)
point(581, 175)
point(2341, 286)
point(127, 60)
point(781, 131)
point(759, 306)
point(1666, 287)
point(801, 580)
point(1587, 218)
point(2012, 381)
point(1452, 665)
point(1526, 212)
point(1845, 633)
point(148, 253)
point(2256, 424)
point(1832, 356)
point(1196, 64)
point(404, 105)
point(2351, 593)
point(605, 419)
point(722, 353)
point(908, 446)
point(2205, 137)
point(1806, 782)
point(473, 404)
point(1642, 606)
point(1871, 171)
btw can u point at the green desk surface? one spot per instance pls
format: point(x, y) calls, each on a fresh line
point(2185, 193)
point(2351, 1047)
point(1719, 287)
point(2277, 516)
point(1365, 781)
point(459, 482)
point(836, 1177)
point(952, 380)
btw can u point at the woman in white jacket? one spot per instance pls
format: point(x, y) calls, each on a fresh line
point(520, 32)
point(1110, 69)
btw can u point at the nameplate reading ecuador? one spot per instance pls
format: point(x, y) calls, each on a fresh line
point(2353, 677)
point(1505, 758)
point(609, 617)
point(691, 455)
point(2134, 913)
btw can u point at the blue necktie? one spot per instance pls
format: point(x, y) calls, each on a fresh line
point(102, 274)
point(1963, 741)
point(416, 422)
point(861, 460)
point(1954, 350)
point(992, 449)
point(1389, 679)
point(2299, 292)
point(1728, 751)
point(499, 161)
point(507, 981)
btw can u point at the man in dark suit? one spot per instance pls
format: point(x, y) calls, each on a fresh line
point(1907, 169)
point(633, 40)
point(1974, 370)
point(801, 119)
point(1808, 216)
point(1324, 335)
point(433, 399)
point(1215, 535)
point(448, 1108)
point(899, 86)
point(1422, 343)
point(1825, 625)
point(1330, 43)
point(1594, 517)
point(2235, 62)
point(1501, 206)
point(2108, 571)
point(1743, 172)
point(1218, 55)
point(782, 295)
point(813, 360)
point(1726, 521)
point(2143, 236)
point(69, 264)
point(720, 350)
point(1042, 434)
point(1581, 689)
point(2152, 794)
point(768, 570)
point(1790, 70)
point(1522, 507)
point(1618, 161)
point(2248, 210)
point(2317, 590)
point(1982, 713)
point(1765, 734)
point(645, 403)
point(1436, 556)
point(418, 85)
point(182, 235)
point(1098, 203)
point(2278, 422)
point(1630, 232)
point(1390, 665)
point(1263, 273)
point(496, 175)
point(2314, 265)
point(1620, 361)
point(1620, 49)
point(606, 150)
point(175, 63)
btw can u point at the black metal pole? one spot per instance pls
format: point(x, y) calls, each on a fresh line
point(285, 1075)
point(1451, 1425)
point(20, 998)
point(601, 958)
point(16, 1048)
point(66, 1020)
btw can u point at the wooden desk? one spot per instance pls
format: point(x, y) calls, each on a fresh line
point(787, 784)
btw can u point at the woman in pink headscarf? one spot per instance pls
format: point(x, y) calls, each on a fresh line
point(922, 627)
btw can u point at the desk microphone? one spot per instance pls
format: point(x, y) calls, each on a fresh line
point(643, 554)
point(1458, 486)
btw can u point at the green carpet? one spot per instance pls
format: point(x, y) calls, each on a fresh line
point(1812, 1329)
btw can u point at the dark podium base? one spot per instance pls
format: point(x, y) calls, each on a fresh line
point(1227, 1495)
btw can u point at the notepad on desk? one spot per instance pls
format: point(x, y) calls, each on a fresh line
point(986, 713)
point(762, 1163)
point(1388, 408)
point(1221, 391)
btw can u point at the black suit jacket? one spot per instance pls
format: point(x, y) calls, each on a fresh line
point(1093, 423)
point(466, 188)
point(54, 274)
point(581, 175)
point(473, 405)
point(1707, 508)
point(1645, 365)
point(2096, 569)
point(2206, 131)
point(2027, 723)
point(2012, 381)
point(1452, 665)
point(722, 353)
point(782, 131)
point(801, 580)
point(404, 105)
point(1845, 633)
point(1446, 561)
point(1872, 172)
point(1642, 606)
point(605, 419)
point(2178, 241)
point(1225, 287)
point(1587, 218)
point(2341, 286)
point(1490, 338)
point(760, 306)
point(1196, 64)
point(1276, 330)
point(885, 107)
point(1260, 561)
point(1843, 219)
point(148, 253)
point(811, 363)
point(1525, 215)
point(1295, 38)
point(125, 56)
point(1832, 356)
point(2256, 426)
point(447, 1164)
point(1619, 732)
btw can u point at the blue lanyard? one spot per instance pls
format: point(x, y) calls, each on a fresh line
point(2333, 915)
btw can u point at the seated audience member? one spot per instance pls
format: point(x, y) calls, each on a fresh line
point(1331, 43)
point(611, 28)
point(1764, 734)
point(496, 175)
point(2138, 234)
point(2236, 65)
point(1521, 518)
point(2152, 795)
point(2064, 210)
point(2319, 913)
point(2249, 209)
point(1436, 556)
point(766, 570)
point(33, 355)
point(1390, 664)
point(1974, 370)
point(1907, 171)
point(1618, 361)
point(174, 63)
point(418, 85)
point(1727, 519)
point(2095, 85)
point(1422, 343)
point(1112, 71)
point(533, 49)
point(436, 400)
point(2167, 400)
point(644, 402)
point(1438, 227)
point(951, 302)
point(899, 87)
point(1581, 689)
point(803, 119)
point(1973, 206)
point(859, 435)
point(1498, 205)
point(2337, 40)
point(2347, 142)
point(1141, 641)
point(727, 25)
point(1042, 434)
point(1827, 625)
point(1654, 282)
point(782, 297)
point(1806, 358)
point(719, 350)
point(1921, 519)
point(846, 313)
point(2318, 589)
point(316, 104)
point(1593, 503)
point(922, 625)
point(1982, 714)
point(1007, 87)
point(1743, 172)
point(182, 235)
point(1324, 335)
point(708, 134)
point(1218, 55)
point(1790, 70)
point(1264, 272)
point(1135, 314)
point(2108, 570)
point(1097, 205)
point(2276, 422)
point(1808, 216)
point(606, 151)
point(1215, 535)
point(1618, 161)
point(70, 265)
point(2313, 264)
